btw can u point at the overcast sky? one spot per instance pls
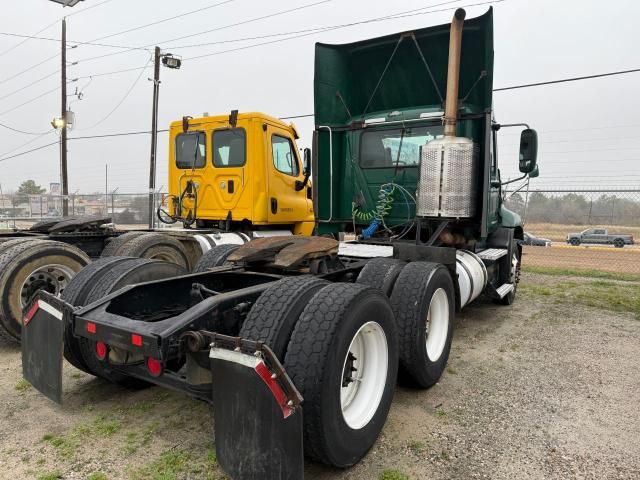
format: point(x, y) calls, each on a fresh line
point(587, 130)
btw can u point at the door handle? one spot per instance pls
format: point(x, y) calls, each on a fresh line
point(274, 205)
point(230, 186)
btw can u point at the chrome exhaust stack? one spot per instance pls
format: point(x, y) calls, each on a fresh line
point(449, 166)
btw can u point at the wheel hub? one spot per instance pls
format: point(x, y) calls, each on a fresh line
point(50, 278)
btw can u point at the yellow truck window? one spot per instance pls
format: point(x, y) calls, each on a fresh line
point(191, 150)
point(229, 147)
point(284, 156)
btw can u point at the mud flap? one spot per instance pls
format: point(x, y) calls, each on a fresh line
point(42, 345)
point(258, 423)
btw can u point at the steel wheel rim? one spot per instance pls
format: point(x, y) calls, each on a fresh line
point(437, 324)
point(361, 396)
point(52, 278)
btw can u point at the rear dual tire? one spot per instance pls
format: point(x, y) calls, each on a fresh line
point(29, 266)
point(103, 277)
point(423, 301)
point(344, 326)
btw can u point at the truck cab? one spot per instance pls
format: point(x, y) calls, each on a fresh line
point(238, 171)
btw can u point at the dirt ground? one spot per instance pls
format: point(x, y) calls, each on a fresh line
point(545, 389)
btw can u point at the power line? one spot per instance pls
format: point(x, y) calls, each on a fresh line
point(26, 143)
point(571, 79)
point(21, 131)
point(163, 20)
point(28, 69)
point(72, 43)
point(128, 92)
point(24, 87)
point(30, 100)
point(244, 22)
point(29, 151)
point(323, 28)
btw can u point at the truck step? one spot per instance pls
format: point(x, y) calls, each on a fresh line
point(492, 253)
point(504, 290)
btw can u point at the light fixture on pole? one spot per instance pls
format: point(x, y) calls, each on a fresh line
point(67, 3)
point(170, 61)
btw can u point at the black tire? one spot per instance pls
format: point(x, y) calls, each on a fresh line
point(7, 244)
point(113, 246)
point(24, 270)
point(135, 270)
point(44, 226)
point(411, 300)
point(618, 243)
point(76, 294)
point(575, 242)
point(156, 246)
point(80, 223)
point(315, 360)
point(381, 273)
point(276, 312)
point(216, 257)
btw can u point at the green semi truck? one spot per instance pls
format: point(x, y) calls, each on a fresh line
point(297, 342)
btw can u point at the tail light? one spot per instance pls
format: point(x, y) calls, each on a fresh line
point(101, 350)
point(154, 367)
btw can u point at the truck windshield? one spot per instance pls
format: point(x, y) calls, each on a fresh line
point(191, 150)
point(401, 146)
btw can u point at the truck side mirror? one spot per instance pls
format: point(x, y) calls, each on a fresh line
point(306, 169)
point(306, 162)
point(528, 150)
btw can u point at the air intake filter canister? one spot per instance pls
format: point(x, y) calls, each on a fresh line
point(448, 178)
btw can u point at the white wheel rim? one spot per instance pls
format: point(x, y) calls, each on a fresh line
point(437, 324)
point(360, 398)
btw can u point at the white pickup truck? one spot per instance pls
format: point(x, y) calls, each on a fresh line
point(599, 236)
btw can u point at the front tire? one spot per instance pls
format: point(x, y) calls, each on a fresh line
point(344, 327)
point(575, 242)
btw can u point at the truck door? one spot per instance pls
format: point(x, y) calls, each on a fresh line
point(599, 236)
point(229, 157)
point(286, 204)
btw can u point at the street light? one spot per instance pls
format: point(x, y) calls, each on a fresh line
point(173, 62)
point(67, 3)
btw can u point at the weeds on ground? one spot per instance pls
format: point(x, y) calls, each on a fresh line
point(174, 464)
point(615, 296)
point(49, 476)
point(417, 446)
point(97, 476)
point(577, 272)
point(22, 385)
point(393, 475)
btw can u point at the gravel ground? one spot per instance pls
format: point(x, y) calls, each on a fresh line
point(544, 389)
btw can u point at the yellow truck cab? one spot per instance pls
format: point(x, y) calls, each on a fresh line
point(239, 172)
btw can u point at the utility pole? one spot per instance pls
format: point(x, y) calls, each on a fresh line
point(63, 132)
point(154, 135)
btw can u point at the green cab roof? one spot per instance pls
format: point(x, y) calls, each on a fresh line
point(346, 76)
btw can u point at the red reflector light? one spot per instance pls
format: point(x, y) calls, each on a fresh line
point(101, 350)
point(136, 340)
point(91, 327)
point(32, 311)
point(154, 366)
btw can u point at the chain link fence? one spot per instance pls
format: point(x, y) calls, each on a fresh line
point(580, 229)
point(549, 215)
point(125, 210)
